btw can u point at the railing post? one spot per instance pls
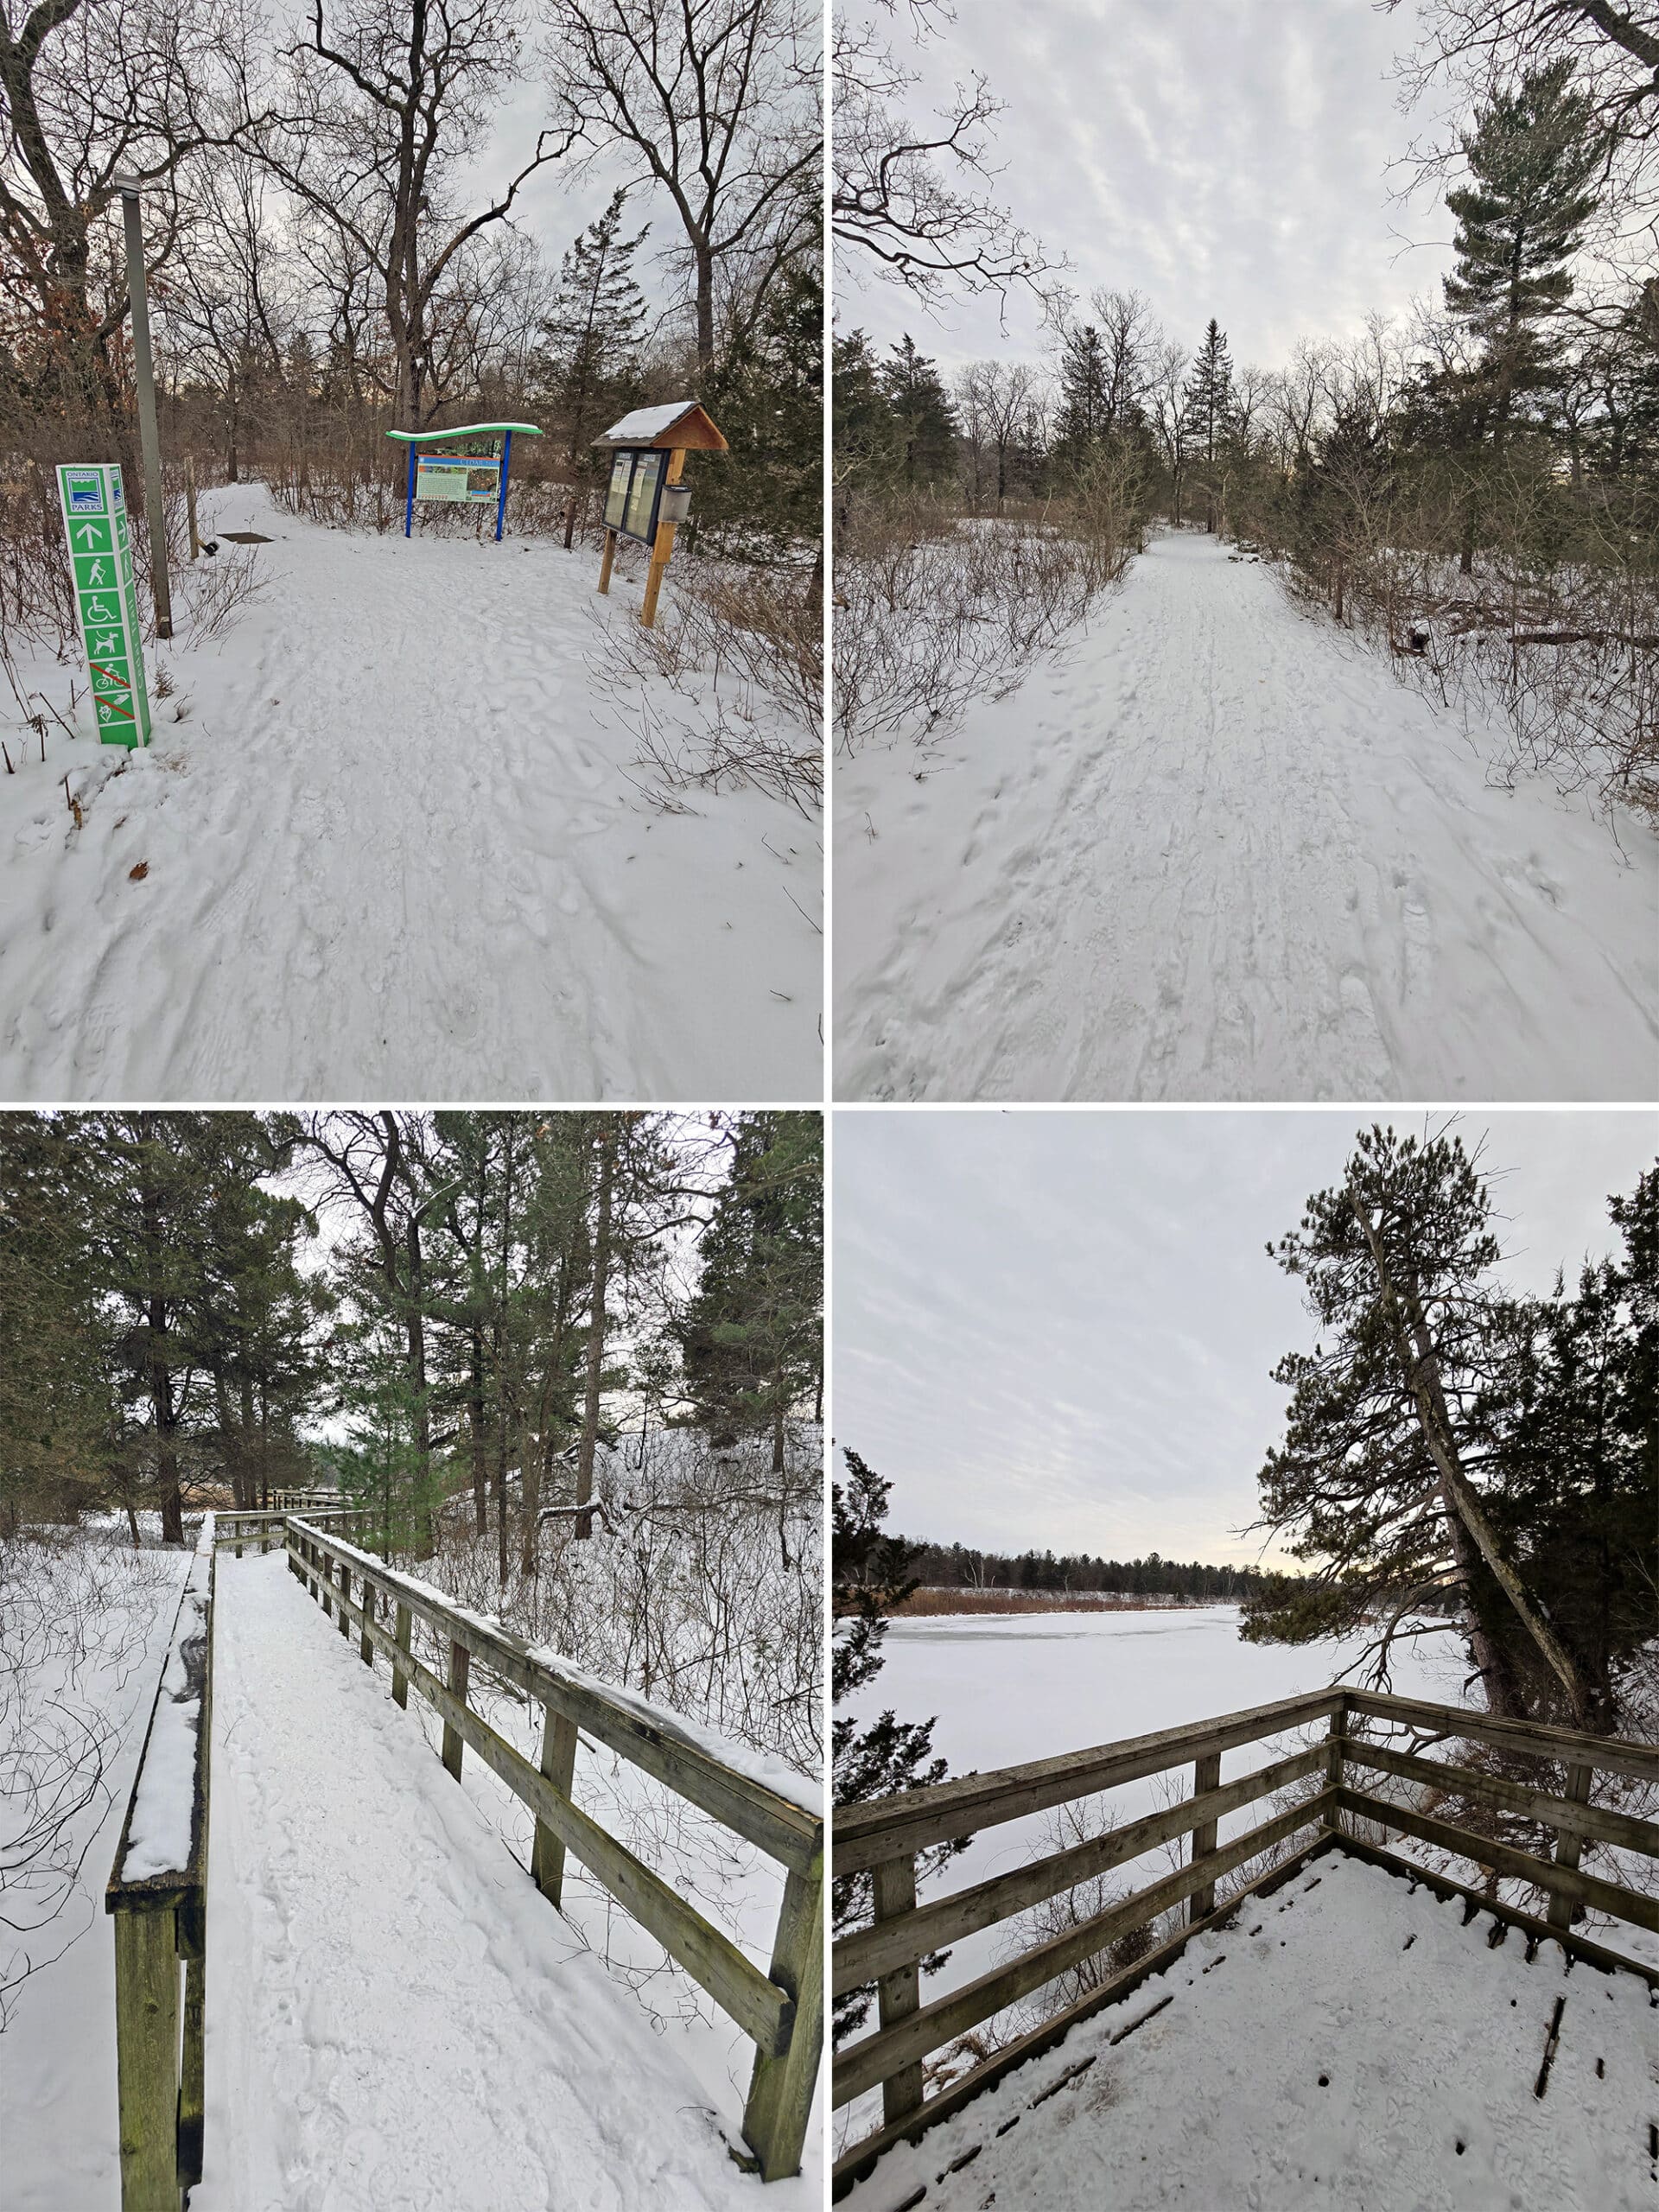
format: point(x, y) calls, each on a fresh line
point(1206, 1776)
point(1569, 1848)
point(325, 1584)
point(400, 1637)
point(147, 2055)
point(237, 1525)
point(366, 1646)
point(345, 1597)
point(559, 1765)
point(461, 1660)
point(192, 1932)
point(780, 2089)
point(1334, 1770)
point(899, 1993)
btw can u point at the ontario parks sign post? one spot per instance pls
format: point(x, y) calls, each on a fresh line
point(645, 499)
point(100, 553)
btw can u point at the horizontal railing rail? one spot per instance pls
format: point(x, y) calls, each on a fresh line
point(782, 2010)
point(884, 1837)
point(157, 1895)
point(263, 1526)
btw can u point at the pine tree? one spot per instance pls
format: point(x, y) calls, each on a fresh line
point(1207, 394)
point(1388, 1444)
point(593, 333)
point(866, 441)
point(753, 1334)
point(871, 1574)
point(767, 395)
point(924, 420)
point(1532, 158)
point(1085, 399)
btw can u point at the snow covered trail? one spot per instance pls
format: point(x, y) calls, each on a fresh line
point(1215, 850)
point(394, 2017)
point(393, 849)
point(1348, 2043)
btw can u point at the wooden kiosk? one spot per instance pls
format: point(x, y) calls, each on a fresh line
point(645, 499)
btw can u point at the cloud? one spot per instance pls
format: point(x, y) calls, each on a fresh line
point(1226, 160)
point(1057, 1328)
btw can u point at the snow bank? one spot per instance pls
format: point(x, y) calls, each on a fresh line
point(160, 1829)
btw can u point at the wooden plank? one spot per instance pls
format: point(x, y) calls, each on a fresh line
point(559, 1768)
point(898, 1992)
point(400, 1673)
point(784, 1830)
point(1575, 1819)
point(1567, 1747)
point(193, 2072)
point(1206, 1777)
point(779, 2106)
point(461, 1662)
point(1605, 1960)
point(760, 2009)
point(889, 1827)
point(147, 2055)
point(871, 2059)
point(1569, 1843)
point(1505, 1859)
point(857, 2163)
point(860, 1957)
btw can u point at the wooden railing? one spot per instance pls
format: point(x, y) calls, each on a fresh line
point(157, 1892)
point(782, 2010)
point(883, 1837)
point(264, 1528)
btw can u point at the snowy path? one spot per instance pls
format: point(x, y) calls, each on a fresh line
point(392, 850)
point(1349, 2043)
point(1215, 850)
point(394, 2014)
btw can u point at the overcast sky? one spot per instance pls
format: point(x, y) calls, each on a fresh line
point(1056, 1329)
point(1225, 160)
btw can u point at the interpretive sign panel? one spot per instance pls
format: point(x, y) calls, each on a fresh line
point(640, 519)
point(450, 476)
point(100, 553)
point(616, 493)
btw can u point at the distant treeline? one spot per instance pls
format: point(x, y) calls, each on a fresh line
point(957, 1566)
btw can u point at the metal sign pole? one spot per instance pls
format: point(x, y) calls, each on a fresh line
point(409, 501)
point(155, 513)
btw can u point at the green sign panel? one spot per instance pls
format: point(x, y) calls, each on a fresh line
point(101, 553)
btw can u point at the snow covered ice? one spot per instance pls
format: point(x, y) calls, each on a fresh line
point(393, 847)
point(1213, 849)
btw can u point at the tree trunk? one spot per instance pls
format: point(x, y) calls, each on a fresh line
point(1468, 1524)
point(596, 1330)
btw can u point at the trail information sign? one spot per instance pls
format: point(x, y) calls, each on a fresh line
point(101, 553)
point(469, 463)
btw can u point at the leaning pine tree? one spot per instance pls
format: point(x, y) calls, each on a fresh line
point(1391, 1447)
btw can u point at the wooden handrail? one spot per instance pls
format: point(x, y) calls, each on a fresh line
point(781, 2011)
point(157, 1895)
point(900, 1826)
point(884, 1836)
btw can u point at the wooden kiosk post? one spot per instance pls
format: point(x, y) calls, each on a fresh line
point(645, 499)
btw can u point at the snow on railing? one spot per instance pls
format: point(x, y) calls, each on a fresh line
point(881, 1838)
point(157, 1893)
point(781, 2011)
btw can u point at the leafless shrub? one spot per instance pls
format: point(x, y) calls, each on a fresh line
point(932, 612)
point(77, 1611)
point(726, 689)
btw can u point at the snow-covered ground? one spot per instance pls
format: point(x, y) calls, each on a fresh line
point(1214, 850)
point(82, 1639)
point(395, 2015)
point(392, 847)
point(1349, 2043)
